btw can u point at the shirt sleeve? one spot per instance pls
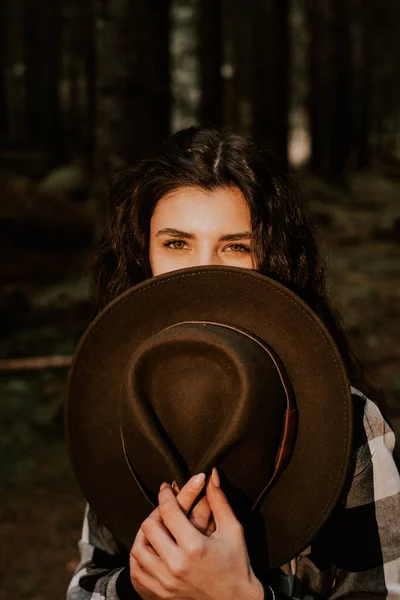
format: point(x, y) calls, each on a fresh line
point(356, 554)
point(103, 569)
point(367, 558)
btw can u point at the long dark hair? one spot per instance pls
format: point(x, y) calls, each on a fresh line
point(284, 243)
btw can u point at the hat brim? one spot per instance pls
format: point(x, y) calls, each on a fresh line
point(305, 494)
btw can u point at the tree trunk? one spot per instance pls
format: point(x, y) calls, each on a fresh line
point(160, 22)
point(331, 99)
point(42, 36)
point(210, 40)
point(320, 51)
point(238, 86)
point(270, 69)
point(385, 22)
point(80, 119)
point(132, 84)
point(365, 87)
point(3, 66)
point(343, 94)
point(73, 125)
point(90, 70)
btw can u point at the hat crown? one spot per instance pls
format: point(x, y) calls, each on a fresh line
point(198, 390)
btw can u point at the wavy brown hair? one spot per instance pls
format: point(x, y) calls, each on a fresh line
point(283, 240)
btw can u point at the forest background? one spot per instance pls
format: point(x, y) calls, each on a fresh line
point(89, 86)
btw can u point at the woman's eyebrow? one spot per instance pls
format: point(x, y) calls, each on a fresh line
point(231, 237)
point(175, 233)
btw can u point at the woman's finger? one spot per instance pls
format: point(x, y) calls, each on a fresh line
point(185, 534)
point(143, 583)
point(200, 514)
point(159, 534)
point(189, 492)
point(149, 560)
point(224, 516)
point(185, 497)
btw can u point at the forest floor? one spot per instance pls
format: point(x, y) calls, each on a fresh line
point(46, 307)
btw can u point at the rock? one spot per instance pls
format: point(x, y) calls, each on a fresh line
point(388, 229)
point(14, 306)
point(322, 220)
point(67, 180)
point(32, 164)
point(37, 219)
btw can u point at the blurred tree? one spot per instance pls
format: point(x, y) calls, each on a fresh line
point(364, 66)
point(89, 42)
point(80, 73)
point(132, 84)
point(385, 16)
point(160, 22)
point(270, 71)
point(319, 85)
point(42, 44)
point(184, 65)
point(3, 66)
point(331, 98)
point(342, 99)
point(237, 82)
point(210, 51)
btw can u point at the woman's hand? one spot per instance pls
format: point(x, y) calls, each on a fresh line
point(183, 563)
point(200, 516)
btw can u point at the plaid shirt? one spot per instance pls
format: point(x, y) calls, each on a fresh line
point(355, 555)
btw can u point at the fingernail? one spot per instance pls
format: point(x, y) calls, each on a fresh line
point(163, 485)
point(198, 481)
point(215, 477)
point(175, 486)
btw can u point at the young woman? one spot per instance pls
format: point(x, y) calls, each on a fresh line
point(207, 197)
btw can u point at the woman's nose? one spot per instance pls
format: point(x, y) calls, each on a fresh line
point(208, 257)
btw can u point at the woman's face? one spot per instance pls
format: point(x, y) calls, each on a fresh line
point(192, 227)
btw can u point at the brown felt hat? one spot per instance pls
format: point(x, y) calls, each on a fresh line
point(212, 366)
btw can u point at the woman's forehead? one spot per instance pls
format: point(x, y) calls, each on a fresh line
point(194, 205)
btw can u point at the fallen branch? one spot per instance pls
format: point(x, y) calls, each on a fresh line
point(33, 363)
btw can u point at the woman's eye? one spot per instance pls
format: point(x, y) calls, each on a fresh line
point(238, 248)
point(175, 244)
